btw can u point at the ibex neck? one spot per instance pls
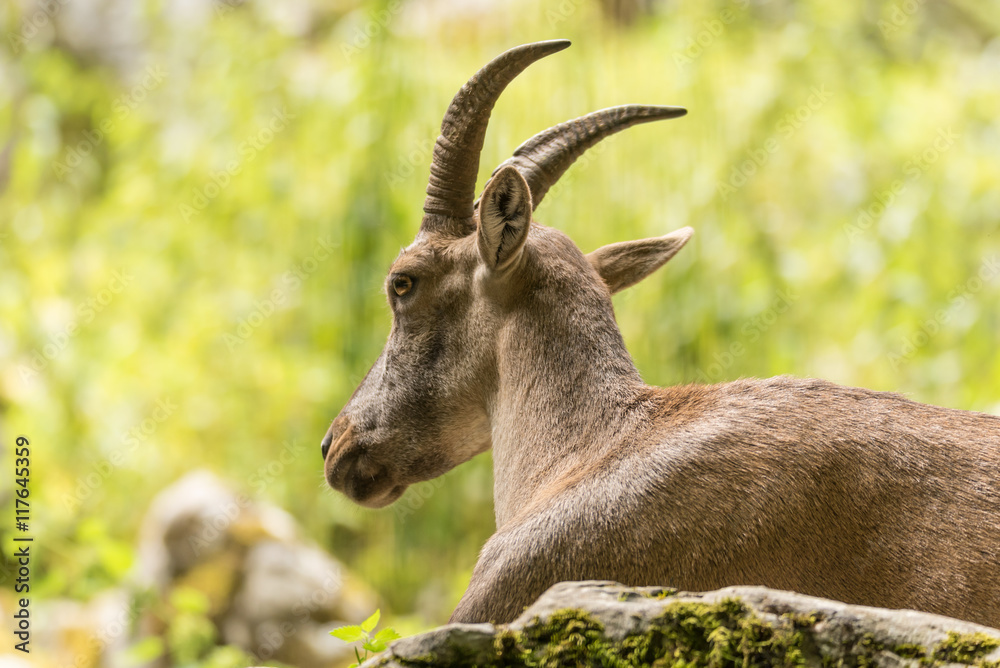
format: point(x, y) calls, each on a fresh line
point(561, 401)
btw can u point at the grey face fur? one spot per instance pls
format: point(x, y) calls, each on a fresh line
point(424, 406)
point(420, 410)
point(427, 403)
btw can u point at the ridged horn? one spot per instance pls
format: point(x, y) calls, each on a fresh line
point(451, 189)
point(546, 156)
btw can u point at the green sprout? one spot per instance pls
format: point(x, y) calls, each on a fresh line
point(369, 643)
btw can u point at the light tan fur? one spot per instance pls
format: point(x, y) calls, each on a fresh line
point(507, 340)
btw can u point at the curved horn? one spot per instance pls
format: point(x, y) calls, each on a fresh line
point(454, 167)
point(546, 156)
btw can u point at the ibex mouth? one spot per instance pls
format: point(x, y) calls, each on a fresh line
point(382, 500)
point(371, 485)
point(351, 471)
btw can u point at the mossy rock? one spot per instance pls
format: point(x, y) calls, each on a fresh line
point(609, 625)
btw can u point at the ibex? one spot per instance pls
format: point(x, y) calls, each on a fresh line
point(504, 336)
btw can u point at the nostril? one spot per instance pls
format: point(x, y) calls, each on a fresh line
point(325, 445)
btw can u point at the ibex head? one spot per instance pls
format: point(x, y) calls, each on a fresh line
point(480, 285)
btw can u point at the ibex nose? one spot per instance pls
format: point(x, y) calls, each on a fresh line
point(325, 445)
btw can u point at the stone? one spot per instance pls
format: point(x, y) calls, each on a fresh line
point(606, 623)
point(270, 592)
point(67, 632)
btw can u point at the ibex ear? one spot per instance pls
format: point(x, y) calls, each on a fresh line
point(504, 218)
point(626, 263)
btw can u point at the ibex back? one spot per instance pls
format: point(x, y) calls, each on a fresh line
point(504, 337)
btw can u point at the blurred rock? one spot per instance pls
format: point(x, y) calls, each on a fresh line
point(287, 583)
point(118, 32)
point(75, 633)
point(269, 591)
point(106, 31)
point(14, 661)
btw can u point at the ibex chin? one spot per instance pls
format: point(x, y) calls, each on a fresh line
point(504, 336)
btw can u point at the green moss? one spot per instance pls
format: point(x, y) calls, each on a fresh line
point(722, 635)
point(801, 620)
point(660, 594)
point(969, 648)
point(657, 594)
point(726, 634)
point(909, 651)
point(865, 650)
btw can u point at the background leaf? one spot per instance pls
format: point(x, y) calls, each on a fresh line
point(371, 622)
point(348, 633)
point(385, 636)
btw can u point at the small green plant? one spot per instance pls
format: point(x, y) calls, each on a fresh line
point(369, 643)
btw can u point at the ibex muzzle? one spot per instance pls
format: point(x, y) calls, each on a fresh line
point(504, 337)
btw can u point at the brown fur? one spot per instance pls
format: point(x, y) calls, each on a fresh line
point(507, 340)
point(846, 493)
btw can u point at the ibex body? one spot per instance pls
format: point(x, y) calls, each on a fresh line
point(504, 337)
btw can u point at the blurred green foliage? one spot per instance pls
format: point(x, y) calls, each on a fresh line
point(193, 245)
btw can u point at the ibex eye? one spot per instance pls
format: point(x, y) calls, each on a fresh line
point(402, 284)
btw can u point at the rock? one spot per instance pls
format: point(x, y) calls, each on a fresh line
point(605, 623)
point(449, 645)
point(284, 583)
point(13, 661)
point(214, 568)
point(188, 523)
point(269, 592)
point(68, 632)
point(117, 32)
